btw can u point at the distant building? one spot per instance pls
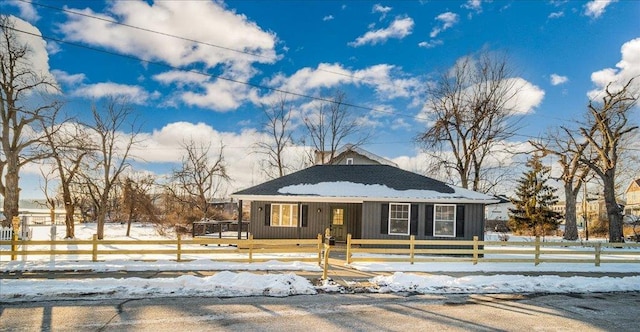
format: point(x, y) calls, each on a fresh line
point(633, 198)
point(498, 211)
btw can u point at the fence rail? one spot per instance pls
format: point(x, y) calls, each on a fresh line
point(244, 249)
point(476, 251)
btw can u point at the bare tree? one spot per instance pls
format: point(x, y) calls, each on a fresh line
point(330, 124)
point(67, 143)
point(19, 111)
point(470, 113)
point(278, 127)
point(199, 178)
point(137, 201)
point(606, 127)
point(569, 154)
point(110, 155)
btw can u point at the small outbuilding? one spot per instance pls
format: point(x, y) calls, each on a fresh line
point(375, 201)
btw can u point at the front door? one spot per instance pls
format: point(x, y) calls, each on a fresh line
point(338, 228)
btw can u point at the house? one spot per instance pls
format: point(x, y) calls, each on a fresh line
point(499, 211)
point(633, 198)
point(351, 154)
point(374, 201)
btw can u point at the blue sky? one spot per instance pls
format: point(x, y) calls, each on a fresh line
point(381, 54)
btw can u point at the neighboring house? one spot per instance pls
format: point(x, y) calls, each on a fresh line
point(633, 198)
point(367, 201)
point(350, 154)
point(498, 211)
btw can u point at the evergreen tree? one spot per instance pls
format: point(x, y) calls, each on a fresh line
point(534, 198)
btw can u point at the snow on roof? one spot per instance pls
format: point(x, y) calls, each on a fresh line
point(350, 189)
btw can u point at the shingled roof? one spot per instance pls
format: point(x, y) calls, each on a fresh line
point(358, 183)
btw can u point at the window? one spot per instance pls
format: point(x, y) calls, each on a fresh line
point(338, 217)
point(444, 220)
point(399, 218)
point(284, 215)
point(349, 161)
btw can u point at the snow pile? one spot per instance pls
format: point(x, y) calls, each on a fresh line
point(222, 284)
point(402, 282)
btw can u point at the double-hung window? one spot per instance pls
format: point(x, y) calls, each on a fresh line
point(399, 218)
point(284, 215)
point(444, 220)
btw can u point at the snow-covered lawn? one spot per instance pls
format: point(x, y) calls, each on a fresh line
point(234, 280)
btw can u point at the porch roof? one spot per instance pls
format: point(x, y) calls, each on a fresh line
point(359, 183)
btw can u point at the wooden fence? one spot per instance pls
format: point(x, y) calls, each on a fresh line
point(476, 251)
point(245, 249)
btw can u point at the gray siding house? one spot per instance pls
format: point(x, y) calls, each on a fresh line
point(368, 201)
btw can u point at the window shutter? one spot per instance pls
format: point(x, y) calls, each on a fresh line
point(267, 214)
point(414, 219)
point(459, 220)
point(384, 219)
point(429, 220)
point(305, 219)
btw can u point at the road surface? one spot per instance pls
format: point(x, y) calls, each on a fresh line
point(332, 312)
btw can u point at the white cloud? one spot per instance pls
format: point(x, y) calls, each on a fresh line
point(475, 5)
point(27, 10)
point(430, 44)
point(386, 80)
point(328, 18)
point(399, 28)
point(378, 8)
point(557, 79)
point(180, 77)
point(596, 8)
point(133, 93)
point(447, 19)
point(626, 69)
point(38, 58)
point(556, 14)
point(219, 32)
point(204, 21)
point(66, 78)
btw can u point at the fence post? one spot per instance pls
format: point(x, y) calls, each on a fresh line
point(14, 244)
point(327, 248)
point(94, 245)
point(251, 248)
point(475, 249)
point(319, 248)
point(349, 248)
point(52, 258)
point(24, 249)
point(179, 248)
point(598, 251)
point(412, 245)
point(537, 257)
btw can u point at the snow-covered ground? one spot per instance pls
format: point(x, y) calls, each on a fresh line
point(235, 279)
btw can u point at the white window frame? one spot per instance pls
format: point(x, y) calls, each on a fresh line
point(349, 161)
point(294, 216)
point(435, 221)
point(408, 219)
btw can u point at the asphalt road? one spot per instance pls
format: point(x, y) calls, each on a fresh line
point(333, 312)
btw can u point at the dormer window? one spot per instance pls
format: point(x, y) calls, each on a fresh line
point(349, 161)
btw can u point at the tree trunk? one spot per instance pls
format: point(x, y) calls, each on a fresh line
point(12, 192)
point(102, 214)
point(570, 225)
point(69, 209)
point(613, 210)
